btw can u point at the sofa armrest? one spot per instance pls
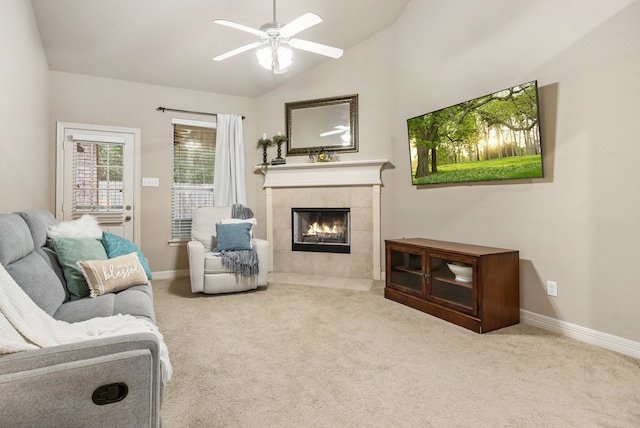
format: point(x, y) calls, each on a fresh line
point(56, 384)
point(262, 249)
point(195, 253)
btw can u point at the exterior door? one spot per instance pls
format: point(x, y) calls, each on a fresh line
point(97, 174)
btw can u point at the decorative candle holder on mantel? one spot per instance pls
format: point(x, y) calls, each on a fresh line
point(263, 143)
point(279, 140)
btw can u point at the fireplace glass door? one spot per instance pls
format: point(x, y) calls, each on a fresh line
point(320, 230)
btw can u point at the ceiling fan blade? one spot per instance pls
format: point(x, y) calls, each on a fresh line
point(299, 24)
point(239, 27)
point(238, 51)
point(318, 48)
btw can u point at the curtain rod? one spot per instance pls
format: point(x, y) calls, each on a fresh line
point(163, 109)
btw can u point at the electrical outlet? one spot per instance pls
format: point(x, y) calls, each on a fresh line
point(552, 288)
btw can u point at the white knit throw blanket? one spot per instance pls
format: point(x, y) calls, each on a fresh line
point(24, 325)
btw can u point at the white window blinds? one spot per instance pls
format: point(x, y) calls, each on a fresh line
point(194, 155)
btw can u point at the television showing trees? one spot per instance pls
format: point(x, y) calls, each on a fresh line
point(494, 137)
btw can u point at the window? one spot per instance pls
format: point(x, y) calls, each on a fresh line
point(97, 180)
point(194, 155)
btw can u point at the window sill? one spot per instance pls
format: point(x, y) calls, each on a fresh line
point(178, 242)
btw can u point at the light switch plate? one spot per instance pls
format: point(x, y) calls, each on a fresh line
point(151, 181)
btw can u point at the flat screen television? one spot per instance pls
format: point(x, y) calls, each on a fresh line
point(494, 137)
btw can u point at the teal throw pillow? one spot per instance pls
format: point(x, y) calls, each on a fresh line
point(231, 237)
point(72, 250)
point(117, 246)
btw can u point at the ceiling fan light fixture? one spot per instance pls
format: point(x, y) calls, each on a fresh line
point(277, 59)
point(284, 57)
point(265, 56)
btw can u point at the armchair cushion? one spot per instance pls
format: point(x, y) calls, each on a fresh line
point(213, 264)
point(233, 237)
point(203, 224)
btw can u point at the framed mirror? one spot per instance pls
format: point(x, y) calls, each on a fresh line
point(328, 123)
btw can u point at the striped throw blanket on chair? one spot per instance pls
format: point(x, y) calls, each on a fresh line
point(243, 262)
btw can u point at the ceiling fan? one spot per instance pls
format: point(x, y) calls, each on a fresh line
point(275, 41)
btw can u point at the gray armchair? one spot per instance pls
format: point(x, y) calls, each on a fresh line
point(206, 271)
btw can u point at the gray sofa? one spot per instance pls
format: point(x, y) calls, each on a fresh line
point(57, 386)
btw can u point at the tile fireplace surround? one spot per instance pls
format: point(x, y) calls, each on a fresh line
point(354, 185)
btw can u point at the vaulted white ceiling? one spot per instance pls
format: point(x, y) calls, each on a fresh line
point(172, 42)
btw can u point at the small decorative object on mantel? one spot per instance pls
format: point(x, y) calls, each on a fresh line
point(322, 155)
point(263, 143)
point(279, 140)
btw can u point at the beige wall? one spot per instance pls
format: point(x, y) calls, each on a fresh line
point(577, 226)
point(95, 100)
point(26, 164)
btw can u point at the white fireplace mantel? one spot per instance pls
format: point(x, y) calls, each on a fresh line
point(327, 174)
point(324, 174)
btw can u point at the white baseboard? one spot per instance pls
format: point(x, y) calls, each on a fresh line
point(170, 274)
point(583, 334)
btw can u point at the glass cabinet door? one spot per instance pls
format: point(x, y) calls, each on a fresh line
point(406, 271)
point(451, 282)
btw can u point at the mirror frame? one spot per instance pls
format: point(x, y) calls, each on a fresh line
point(298, 148)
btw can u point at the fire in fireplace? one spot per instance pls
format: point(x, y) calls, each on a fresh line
point(320, 230)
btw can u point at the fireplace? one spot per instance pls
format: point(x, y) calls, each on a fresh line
point(323, 230)
point(353, 184)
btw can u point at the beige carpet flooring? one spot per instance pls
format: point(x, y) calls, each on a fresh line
point(308, 356)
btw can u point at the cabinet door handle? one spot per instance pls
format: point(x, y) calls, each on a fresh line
point(427, 274)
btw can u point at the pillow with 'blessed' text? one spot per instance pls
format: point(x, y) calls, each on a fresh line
point(111, 275)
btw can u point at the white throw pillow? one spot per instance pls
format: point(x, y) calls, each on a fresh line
point(252, 221)
point(85, 227)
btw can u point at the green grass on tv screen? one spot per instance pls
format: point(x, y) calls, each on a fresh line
point(507, 168)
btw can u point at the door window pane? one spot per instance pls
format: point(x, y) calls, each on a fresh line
point(98, 186)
